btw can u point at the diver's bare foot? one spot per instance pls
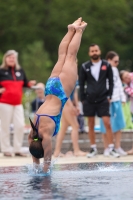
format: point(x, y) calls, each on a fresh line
point(74, 24)
point(130, 152)
point(80, 153)
point(77, 22)
point(46, 167)
point(81, 27)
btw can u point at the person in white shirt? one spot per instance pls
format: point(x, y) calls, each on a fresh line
point(117, 118)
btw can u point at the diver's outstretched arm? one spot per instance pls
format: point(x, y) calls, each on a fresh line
point(47, 146)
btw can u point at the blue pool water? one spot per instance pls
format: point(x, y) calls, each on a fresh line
point(98, 181)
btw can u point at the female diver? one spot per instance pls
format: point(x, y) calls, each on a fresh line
point(58, 89)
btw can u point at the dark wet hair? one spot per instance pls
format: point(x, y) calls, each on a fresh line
point(35, 147)
point(110, 55)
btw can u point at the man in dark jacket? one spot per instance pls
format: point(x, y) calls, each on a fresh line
point(95, 73)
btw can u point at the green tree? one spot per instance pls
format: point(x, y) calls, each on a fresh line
point(109, 24)
point(36, 62)
point(127, 55)
point(21, 23)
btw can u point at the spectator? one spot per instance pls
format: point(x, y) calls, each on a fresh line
point(69, 117)
point(127, 78)
point(117, 118)
point(75, 99)
point(40, 97)
point(127, 114)
point(81, 119)
point(96, 98)
point(12, 80)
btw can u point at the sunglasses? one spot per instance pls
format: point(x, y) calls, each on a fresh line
point(116, 61)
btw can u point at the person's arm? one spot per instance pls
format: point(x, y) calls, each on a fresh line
point(76, 97)
point(82, 80)
point(2, 89)
point(121, 89)
point(129, 91)
point(47, 146)
point(26, 82)
point(110, 80)
point(76, 100)
point(72, 108)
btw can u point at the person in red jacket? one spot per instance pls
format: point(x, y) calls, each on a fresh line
point(12, 81)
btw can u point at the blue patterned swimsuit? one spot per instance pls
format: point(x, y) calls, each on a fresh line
point(54, 87)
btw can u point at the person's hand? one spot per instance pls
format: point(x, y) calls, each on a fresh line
point(83, 101)
point(46, 168)
point(123, 103)
point(2, 90)
point(32, 83)
point(109, 100)
point(78, 110)
point(74, 111)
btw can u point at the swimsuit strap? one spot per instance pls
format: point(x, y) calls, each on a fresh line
point(37, 121)
point(52, 117)
point(38, 117)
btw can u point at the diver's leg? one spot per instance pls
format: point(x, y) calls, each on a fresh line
point(63, 47)
point(69, 70)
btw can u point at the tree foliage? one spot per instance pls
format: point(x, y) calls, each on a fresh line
point(38, 26)
point(36, 61)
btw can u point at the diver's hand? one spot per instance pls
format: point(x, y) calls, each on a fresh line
point(46, 167)
point(47, 146)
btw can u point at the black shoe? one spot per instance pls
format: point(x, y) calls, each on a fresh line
point(114, 153)
point(93, 152)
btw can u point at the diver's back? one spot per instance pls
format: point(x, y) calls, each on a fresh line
point(51, 106)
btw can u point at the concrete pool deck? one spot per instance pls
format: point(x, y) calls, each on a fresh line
point(17, 161)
